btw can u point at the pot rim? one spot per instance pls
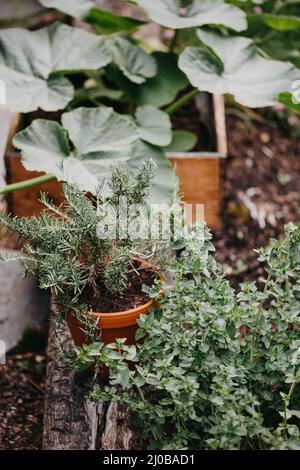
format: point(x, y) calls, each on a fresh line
point(123, 318)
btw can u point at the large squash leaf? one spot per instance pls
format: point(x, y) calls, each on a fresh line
point(155, 125)
point(169, 13)
point(87, 145)
point(103, 21)
point(235, 67)
point(82, 150)
point(30, 60)
point(101, 129)
point(132, 60)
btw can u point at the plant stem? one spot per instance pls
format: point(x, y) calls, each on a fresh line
point(287, 400)
point(181, 101)
point(259, 315)
point(9, 188)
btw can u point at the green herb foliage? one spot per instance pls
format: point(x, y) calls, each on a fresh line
point(216, 369)
point(66, 252)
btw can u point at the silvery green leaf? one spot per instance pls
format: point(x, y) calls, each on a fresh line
point(31, 76)
point(44, 145)
point(98, 130)
point(155, 125)
point(132, 60)
point(236, 68)
point(101, 138)
point(87, 146)
point(169, 13)
point(75, 8)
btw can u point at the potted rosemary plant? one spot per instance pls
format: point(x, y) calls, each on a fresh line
point(93, 264)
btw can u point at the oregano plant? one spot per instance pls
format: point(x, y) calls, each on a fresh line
point(215, 369)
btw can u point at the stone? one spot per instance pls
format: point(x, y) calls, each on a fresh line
point(22, 304)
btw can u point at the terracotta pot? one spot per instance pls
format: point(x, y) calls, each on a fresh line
point(113, 326)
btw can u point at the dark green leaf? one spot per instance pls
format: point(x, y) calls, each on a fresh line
point(289, 102)
point(106, 22)
point(182, 141)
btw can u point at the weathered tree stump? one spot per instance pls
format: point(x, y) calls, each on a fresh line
point(71, 420)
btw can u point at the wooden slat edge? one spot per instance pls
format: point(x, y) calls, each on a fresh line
point(220, 124)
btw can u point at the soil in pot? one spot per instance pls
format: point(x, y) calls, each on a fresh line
point(132, 297)
point(119, 314)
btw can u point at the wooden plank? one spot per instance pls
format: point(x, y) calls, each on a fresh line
point(200, 183)
point(220, 124)
point(201, 174)
point(71, 420)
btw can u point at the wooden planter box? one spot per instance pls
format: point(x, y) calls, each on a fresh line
point(200, 175)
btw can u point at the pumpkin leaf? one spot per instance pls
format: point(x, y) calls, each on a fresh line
point(98, 137)
point(170, 14)
point(132, 60)
point(155, 125)
point(236, 68)
point(44, 144)
point(87, 145)
point(182, 141)
point(98, 129)
point(32, 78)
